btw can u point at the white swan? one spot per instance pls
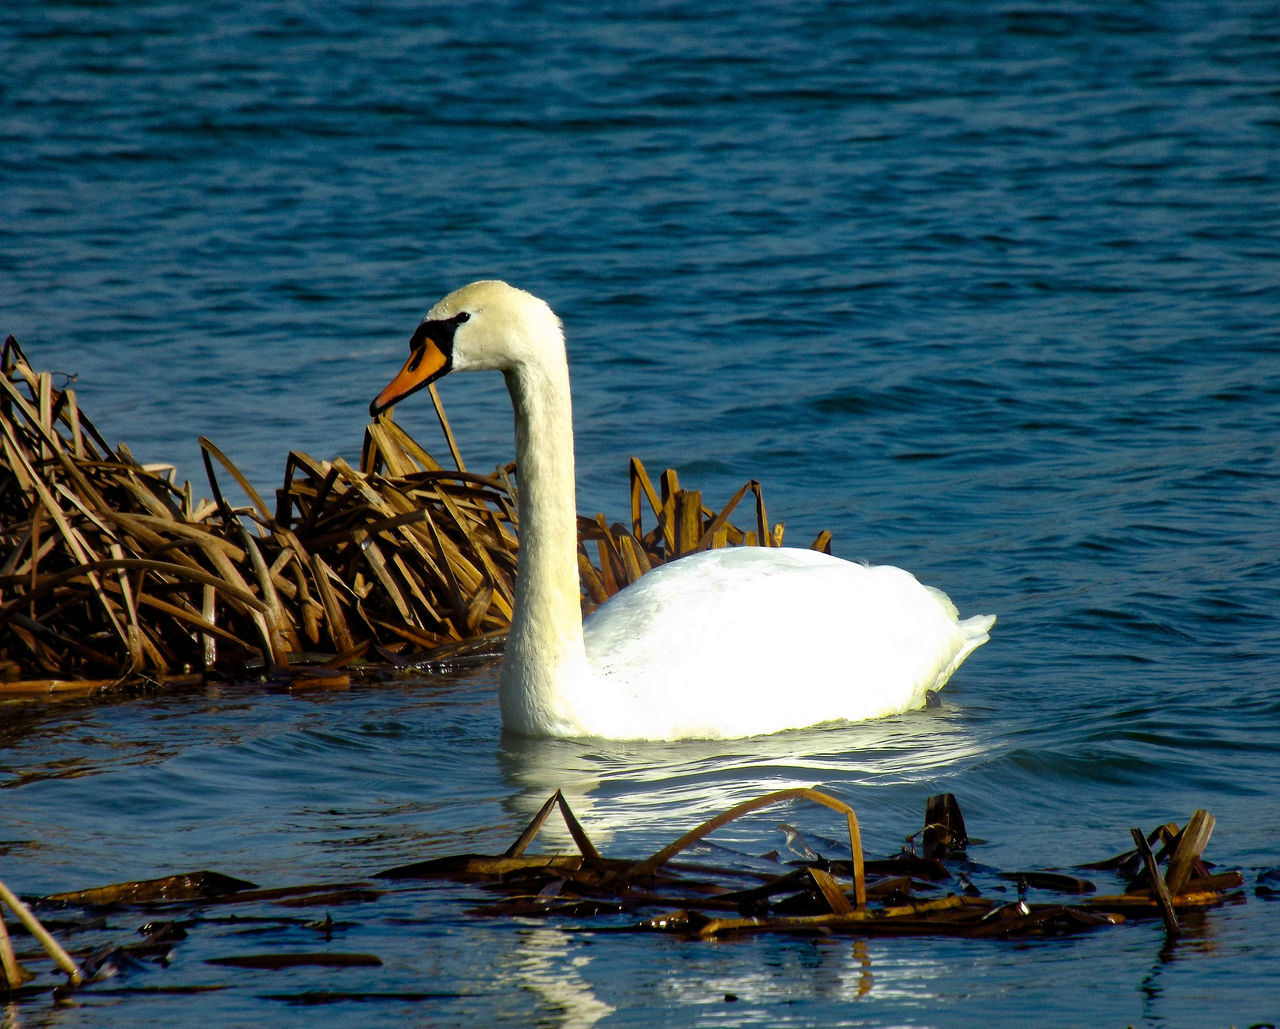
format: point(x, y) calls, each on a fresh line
point(726, 643)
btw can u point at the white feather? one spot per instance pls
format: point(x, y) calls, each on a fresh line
point(727, 643)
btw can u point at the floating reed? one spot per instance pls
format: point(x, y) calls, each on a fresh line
point(821, 894)
point(12, 974)
point(112, 574)
point(719, 894)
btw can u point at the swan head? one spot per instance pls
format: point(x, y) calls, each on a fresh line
point(487, 325)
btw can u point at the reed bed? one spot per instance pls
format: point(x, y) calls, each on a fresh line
point(111, 574)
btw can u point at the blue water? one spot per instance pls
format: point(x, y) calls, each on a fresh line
point(990, 290)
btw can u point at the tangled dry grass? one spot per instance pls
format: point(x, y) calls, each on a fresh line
point(111, 574)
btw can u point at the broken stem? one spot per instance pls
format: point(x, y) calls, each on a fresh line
point(51, 946)
point(1158, 888)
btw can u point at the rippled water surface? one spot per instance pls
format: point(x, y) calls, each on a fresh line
point(989, 290)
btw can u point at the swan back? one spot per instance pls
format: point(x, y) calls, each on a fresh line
point(756, 639)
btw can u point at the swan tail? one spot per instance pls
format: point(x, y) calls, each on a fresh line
point(974, 632)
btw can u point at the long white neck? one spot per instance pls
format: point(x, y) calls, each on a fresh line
point(545, 653)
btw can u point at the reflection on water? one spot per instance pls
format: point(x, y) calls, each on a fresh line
point(285, 790)
point(618, 788)
point(547, 961)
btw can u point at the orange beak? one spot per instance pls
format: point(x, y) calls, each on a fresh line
point(426, 364)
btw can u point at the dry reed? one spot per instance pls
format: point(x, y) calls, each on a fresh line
point(822, 894)
point(112, 574)
point(718, 893)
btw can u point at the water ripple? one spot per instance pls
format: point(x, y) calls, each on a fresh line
point(987, 290)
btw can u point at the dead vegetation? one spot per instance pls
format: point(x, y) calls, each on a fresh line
point(824, 893)
point(112, 574)
point(814, 886)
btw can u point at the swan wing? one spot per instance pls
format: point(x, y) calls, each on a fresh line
point(755, 640)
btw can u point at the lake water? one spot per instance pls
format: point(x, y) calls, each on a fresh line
point(990, 290)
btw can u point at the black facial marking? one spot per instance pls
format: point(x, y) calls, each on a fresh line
point(440, 331)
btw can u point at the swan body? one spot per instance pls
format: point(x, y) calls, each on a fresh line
point(720, 644)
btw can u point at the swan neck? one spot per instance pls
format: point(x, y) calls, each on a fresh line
point(545, 651)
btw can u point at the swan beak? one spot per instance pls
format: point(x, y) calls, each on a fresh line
point(426, 364)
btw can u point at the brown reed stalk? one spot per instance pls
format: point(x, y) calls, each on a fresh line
point(109, 571)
